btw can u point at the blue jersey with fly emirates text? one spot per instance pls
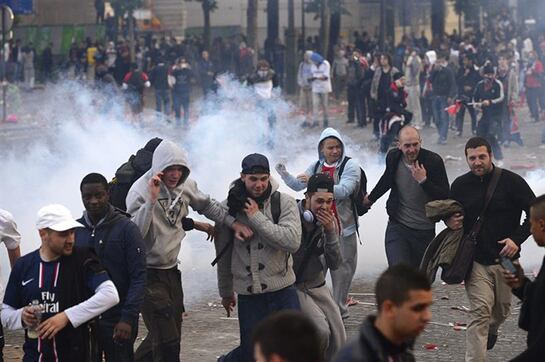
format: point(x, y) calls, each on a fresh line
point(33, 279)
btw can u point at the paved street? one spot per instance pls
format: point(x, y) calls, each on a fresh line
point(206, 331)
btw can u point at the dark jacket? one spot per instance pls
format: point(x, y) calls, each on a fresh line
point(369, 346)
point(354, 76)
point(397, 99)
point(436, 185)
point(492, 92)
point(316, 245)
point(119, 246)
point(532, 316)
point(502, 218)
point(159, 76)
point(205, 68)
point(469, 79)
point(443, 82)
point(183, 78)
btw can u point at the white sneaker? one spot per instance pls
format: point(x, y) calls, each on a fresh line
point(499, 163)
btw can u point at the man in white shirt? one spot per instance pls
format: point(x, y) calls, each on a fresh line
point(11, 239)
point(321, 87)
point(48, 292)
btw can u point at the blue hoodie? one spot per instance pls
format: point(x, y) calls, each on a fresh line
point(345, 186)
point(316, 58)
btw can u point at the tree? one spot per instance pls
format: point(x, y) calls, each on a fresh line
point(251, 26)
point(122, 7)
point(208, 6)
point(467, 8)
point(438, 17)
point(330, 13)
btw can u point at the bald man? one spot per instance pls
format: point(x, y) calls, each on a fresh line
point(415, 176)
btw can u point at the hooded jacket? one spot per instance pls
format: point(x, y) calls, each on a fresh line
point(119, 246)
point(160, 222)
point(345, 186)
point(320, 68)
point(320, 246)
point(263, 263)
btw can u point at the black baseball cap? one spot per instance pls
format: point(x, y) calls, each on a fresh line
point(255, 163)
point(320, 182)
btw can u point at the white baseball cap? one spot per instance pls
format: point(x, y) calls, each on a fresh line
point(56, 217)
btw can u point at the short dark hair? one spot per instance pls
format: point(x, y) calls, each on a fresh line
point(289, 334)
point(94, 178)
point(475, 142)
point(537, 208)
point(397, 281)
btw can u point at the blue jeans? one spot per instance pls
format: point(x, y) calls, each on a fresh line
point(252, 309)
point(488, 129)
point(162, 100)
point(179, 101)
point(439, 103)
point(406, 245)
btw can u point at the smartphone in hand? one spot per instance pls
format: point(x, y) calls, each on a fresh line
point(508, 265)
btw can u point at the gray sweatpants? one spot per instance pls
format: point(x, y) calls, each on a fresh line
point(319, 306)
point(342, 277)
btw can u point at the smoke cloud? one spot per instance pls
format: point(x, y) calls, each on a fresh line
point(77, 136)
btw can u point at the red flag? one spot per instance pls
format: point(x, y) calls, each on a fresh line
point(453, 109)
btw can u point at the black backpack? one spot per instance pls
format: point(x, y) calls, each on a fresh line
point(129, 172)
point(136, 81)
point(358, 208)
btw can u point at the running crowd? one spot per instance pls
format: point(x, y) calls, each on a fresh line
point(79, 296)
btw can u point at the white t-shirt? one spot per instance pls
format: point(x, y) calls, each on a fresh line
point(321, 86)
point(9, 236)
point(264, 89)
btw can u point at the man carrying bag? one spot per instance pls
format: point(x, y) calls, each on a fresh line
point(491, 217)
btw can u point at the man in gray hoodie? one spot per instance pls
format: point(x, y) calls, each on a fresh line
point(158, 201)
point(331, 158)
point(259, 269)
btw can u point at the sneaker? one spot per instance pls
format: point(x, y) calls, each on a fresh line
point(491, 341)
point(499, 163)
point(350, 121)
point(441, 142)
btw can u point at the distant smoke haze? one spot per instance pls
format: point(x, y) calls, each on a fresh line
point(49, 169)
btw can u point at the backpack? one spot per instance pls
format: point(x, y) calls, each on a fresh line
point(358, 208)
point(129, 172)
point(136, 81)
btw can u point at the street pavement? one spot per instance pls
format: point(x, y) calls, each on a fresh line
point(207, 333)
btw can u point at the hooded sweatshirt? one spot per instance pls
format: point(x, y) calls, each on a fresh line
point(345, 185)
point(320, 68)
point(160, 222)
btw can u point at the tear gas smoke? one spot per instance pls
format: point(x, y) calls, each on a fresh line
point(79, 137)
